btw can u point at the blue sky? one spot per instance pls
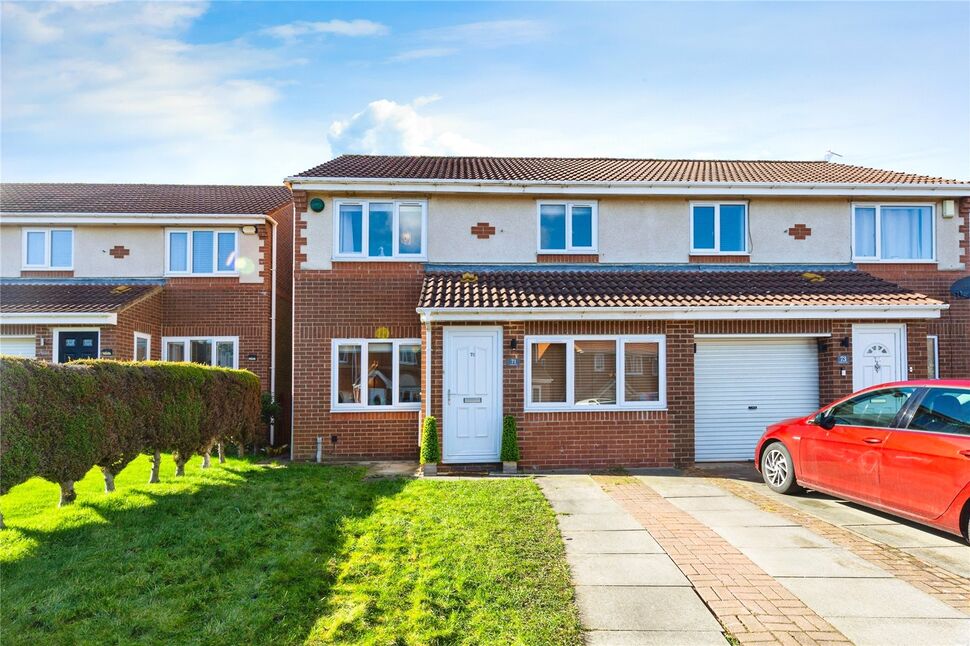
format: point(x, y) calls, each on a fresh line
point(252, 92)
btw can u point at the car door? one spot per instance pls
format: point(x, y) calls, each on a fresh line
point(926, 465)
point(845, 458)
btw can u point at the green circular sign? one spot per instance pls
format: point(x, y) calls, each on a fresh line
point(316, 204)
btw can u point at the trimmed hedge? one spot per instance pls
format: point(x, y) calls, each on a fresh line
point(510, 440)
point(430, 453)
point(60, 420)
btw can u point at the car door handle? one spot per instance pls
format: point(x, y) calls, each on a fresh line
point(872, 440)
point(966, 453)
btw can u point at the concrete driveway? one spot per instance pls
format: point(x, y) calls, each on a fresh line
point(674, 559)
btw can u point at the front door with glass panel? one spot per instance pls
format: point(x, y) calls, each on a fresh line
point(73, 345)
point(878, 354)
point(472, 391)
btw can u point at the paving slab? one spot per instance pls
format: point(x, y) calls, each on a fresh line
point(713, 503)
point(612, 521)
point(679, 487)
point(954, 559)
point(574, 506)
point(757, 518)
point(873, 598)
point(642, 608)
point(837, 512)
point(793, 537)
point(626, 569)
point(904, 632)
point(654, 638)
point(812, 562)
point(611, 542)
point(900, 535)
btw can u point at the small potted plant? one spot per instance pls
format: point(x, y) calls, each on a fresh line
point(430, 453)
point(510, 446)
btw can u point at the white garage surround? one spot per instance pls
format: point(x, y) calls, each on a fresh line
point(19, 346)
point(743, 384)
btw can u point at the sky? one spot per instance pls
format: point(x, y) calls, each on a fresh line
point(253, 92)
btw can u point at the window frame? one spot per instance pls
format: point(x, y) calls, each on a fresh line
point(716, 251)
point(901, 414)
point(134, 347)
point(48, 241)
point(878, 232)
point(184, 340)
point(570, 248)
point(622, 405)
point(396, 255)
point(396, 404)
point(188, 252)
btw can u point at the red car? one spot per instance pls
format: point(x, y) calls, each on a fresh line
point(902, 447)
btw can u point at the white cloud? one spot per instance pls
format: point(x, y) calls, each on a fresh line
point(388, 128)
point(299, 28)
point(425, 52)
point(489, 33)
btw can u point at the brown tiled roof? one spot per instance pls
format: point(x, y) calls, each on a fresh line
point(21, 298)
point(515, 289)
point(576, 169)
point(140, 198)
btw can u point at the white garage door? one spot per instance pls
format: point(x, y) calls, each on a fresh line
point(742, 385)
point(19, 346)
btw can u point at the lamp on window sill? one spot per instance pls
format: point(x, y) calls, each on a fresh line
point(406, 238)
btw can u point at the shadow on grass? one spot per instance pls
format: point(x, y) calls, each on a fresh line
point(242, 553)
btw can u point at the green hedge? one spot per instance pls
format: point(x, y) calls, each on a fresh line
point(59, 421)
point(430, 452)
point(510, 440)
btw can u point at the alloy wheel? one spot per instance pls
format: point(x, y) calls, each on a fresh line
point(776, 467)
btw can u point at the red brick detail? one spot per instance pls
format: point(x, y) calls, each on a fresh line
point(119, 251)
point(483, 230)
point(143, 316)
point(567, 258)
point(299, 224)
point(715, 259)
point(800, 232)
point(47, 274)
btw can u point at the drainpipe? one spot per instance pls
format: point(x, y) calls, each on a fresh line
point(427, 372)
point(319, 449)
point(293, 252)
point(272, 336)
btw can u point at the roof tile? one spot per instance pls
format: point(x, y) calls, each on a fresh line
point(20, 298)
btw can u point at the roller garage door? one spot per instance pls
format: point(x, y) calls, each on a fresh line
point(742, 385)
point(19, 346)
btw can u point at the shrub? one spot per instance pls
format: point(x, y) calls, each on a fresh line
point(20, 446)
point(430, 452)
point(510, 440)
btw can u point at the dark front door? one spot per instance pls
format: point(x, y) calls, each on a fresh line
point(76, 345)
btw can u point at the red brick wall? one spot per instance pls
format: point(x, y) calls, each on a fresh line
point(284, 319)
point(143, 316)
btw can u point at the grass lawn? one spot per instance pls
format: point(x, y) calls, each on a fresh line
point(249, 553)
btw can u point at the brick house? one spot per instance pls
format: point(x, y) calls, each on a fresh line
point(625, 312)
point(140, 271)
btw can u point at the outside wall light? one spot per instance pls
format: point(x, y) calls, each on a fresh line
point(316, 205)
point(249, 229)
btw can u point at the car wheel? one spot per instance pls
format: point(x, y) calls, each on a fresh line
point(778, 469)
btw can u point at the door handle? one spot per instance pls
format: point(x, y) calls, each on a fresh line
point(872, 440)
point(966, 453)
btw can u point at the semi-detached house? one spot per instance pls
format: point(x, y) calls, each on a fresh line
point(148, 271)
point(625, 312)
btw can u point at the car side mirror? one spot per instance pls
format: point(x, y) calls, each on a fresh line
point(826, 421)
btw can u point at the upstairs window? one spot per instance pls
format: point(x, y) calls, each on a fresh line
point(567, 227)
point(376, 229)
point(48, 249)
point(202, 251)
point(719, 228)
point(892, 232)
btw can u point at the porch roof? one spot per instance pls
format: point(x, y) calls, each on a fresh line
point(62, 297)
point(650, 289)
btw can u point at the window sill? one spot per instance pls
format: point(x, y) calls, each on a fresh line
point(409, 408)
point(379, 259)
point(596, 409)
point(224, 274)
point(567, 252)
point(890, 261)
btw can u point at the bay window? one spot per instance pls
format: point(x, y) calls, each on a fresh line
point(567, 227)
point(591, 372)
point(719, 228)
point(376, 374)
point(892, 232)
point(48, 249)
point(221, 351)
point(201, 251)
point(380, 229)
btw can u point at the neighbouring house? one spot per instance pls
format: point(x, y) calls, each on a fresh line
point(148, 271)
point(625, 312)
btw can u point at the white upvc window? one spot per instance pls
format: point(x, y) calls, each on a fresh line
point(583, 373)
point(391, 380)
point(376, 229)
point(566, 227)
point(893, 232)
point(143, 347)
point(221, 351)
point(719, 228)
point(201, 252)
point(48, 249)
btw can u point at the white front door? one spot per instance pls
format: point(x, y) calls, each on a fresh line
point(473, 395)
point(878, 354)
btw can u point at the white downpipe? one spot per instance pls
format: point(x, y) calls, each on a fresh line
point(272, 337)
point(293, 252)
point(319, 449)
point(427, 374)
